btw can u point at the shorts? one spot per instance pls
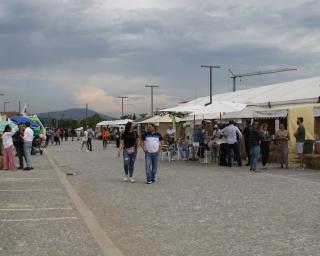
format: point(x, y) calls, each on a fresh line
point(300, 146)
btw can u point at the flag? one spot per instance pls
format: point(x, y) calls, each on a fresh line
point(24, 111)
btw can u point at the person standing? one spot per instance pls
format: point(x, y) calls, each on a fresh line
point(66, 134)
point(282, 138)
point(90, 136)
point(117, 137)
point(7, 142)
point(246, 134)
point(28, 138)
point(170, 135)
point(104, 136)
point(265, 144)
point(300, 135)
point(73, 134)
point(151, 143)
point(61, 132)
point(129, 144)
point(255, 141)
point(57, 137)
point(18, 144)
point(84, 143)
point(233, 135)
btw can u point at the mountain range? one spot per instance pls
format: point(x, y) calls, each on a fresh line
point(72, 114)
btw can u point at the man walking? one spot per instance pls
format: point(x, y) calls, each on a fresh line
point(90, 136)
point(18, 144)
point(27, 139)
point(152, 143)
point(233, 135)
point(255, 141)
point(300, 135)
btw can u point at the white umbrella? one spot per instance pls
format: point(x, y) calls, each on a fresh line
point(219, 107)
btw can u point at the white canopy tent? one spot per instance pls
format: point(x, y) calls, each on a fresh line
point(219, 107)
point(159, 119)
point(114, 123)
point(294, 92)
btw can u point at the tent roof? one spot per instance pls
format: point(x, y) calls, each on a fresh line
point(114, 122)
point(159, 119)
point(294, 92)
point(247, 112)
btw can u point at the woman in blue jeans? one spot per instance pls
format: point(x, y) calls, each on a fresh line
point(128, 144)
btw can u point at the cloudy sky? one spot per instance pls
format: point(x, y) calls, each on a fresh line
point(57, 54)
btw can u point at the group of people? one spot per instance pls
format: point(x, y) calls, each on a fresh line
point(56, 136)
point(21, 142)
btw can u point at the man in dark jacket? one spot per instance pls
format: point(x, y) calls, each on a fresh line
point(18, 144)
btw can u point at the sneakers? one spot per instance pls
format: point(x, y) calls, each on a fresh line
point(132, 180)
point(149, 182)
point(125, 178)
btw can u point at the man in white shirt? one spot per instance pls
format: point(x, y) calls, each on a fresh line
point(170, 134)
point(27, 146)
point(233, 135)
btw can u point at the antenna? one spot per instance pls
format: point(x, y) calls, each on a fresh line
point(258, 73)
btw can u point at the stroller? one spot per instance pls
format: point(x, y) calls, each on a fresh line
point(36, 146)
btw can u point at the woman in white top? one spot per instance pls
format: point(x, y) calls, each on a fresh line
point(8, 161)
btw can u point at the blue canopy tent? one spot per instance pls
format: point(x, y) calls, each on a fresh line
point(24, 120)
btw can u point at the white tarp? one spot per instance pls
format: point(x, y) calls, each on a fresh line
point(219, 107)
point(114, 123)
point(159, 119)
point(316, 112)
point(247, 112)
point(295, 92)
point(277, 113)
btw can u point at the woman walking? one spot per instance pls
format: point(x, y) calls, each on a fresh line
point(129, 144)
point(282, 137)
point(8, 160)
point(104, 136)
point(118, 137)
point(265, 144)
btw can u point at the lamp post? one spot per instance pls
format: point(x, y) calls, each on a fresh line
point(152, 87)
point(4, 106)
point(122, 99)
point(210, 68)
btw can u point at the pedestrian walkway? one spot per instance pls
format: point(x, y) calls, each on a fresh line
point(37, 216)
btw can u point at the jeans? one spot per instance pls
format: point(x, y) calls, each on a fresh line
point(89, 144)
point(128, 162)
point(236, 151)
point(264, 152)
point(184, 153)
point(151, 165)
point(255, 153)
point(27, 147)
point(20, 154)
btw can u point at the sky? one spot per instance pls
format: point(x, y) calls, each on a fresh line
point(59, 54)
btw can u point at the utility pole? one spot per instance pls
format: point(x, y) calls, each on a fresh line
point(86, 116)
point(122, 99)
point(210, 68)
point(4, 106)
point(258, 73)
point(152, 87)
point(19, 107)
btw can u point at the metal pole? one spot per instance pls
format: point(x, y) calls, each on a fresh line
point(121, 107)
point(122, 104)
point(4, 106)
point(152, 87)
point(234, 83)
point(19, 107)
point(210, 67)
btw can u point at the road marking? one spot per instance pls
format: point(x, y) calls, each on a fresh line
point(34, 209)
point(40, 219)
point(30, 190)
point(25, 179)
point(107, 246)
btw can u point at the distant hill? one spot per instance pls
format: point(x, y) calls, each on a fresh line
point(72, 114)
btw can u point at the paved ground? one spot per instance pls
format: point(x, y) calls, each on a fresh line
point(37, 216)
point(193, 209)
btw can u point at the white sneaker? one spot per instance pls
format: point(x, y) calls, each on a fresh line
point(132, 180)
point(125, 178)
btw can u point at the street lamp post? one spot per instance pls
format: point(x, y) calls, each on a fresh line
point(152, 87)
point(210, 67)
point(122, 99)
